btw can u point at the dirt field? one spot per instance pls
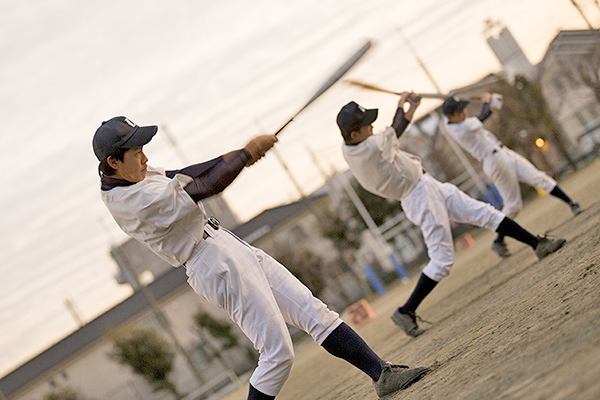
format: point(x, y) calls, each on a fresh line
point(516, 328)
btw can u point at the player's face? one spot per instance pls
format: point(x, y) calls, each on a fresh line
point(459, 116)
point(133, 167)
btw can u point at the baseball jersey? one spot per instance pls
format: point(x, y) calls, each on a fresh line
point(381, 167)
point(159, 213)
point(473, 137)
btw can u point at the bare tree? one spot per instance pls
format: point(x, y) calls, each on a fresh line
point(525, 108)
point(586, 67)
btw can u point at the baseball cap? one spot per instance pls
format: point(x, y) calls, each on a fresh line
point(453, 104)
point(120, 133)
point(352, 117)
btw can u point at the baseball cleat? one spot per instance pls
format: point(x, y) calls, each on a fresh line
point(500, 249)
point(408, 323)
point(576, 209)
point(547, 246)
point(397, 377)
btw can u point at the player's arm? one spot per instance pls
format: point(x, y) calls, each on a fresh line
point(486, 111)
point(212, 177)
point(402, 118)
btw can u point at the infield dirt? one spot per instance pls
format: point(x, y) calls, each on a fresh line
point(514, 328)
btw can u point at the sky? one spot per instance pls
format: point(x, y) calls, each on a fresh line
point(214, 74)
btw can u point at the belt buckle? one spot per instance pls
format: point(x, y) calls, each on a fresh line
point(213, 222)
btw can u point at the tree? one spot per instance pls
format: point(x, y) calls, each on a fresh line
point(63, 394)
point(221, 331)
point(148, 355)
point(525, 108)
point(344, 224)
point(307, 266)
point(217, 329)
point(586, 67)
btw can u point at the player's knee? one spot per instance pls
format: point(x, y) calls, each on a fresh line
point(512, 209)
point(438, 271)
point(285, 357)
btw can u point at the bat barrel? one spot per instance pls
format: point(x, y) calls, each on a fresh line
point(432, 95)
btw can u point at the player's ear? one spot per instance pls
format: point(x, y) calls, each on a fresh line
point(113, 162)
point(354, 135)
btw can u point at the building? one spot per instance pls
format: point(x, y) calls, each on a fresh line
point(575, 104)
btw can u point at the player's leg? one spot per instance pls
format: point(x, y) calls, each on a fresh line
point(465, 209)
point(301, 309)
point(532, 176)
point(503, 175)
point(425, 208)
point(227, 274)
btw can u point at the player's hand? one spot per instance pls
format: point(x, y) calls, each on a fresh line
point(486, 97)
point(258, 146)
point(414, 100)
point(403, 98)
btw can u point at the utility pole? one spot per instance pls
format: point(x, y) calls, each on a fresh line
point(455, 147)
point(175, 145)
point(582, 14)
point(74, 312)
point(291, 176)
point(164, 322)
point(384, 246)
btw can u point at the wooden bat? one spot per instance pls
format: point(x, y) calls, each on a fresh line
point(333, 79)
point(369, 86)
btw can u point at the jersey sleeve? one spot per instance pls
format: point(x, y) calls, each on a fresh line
point(486, 111)
point(387, 143)
point(212, 177)
point(400, 122)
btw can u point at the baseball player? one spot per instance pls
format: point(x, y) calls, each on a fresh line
point(163, 210)
point(381, 167)
point(503, 166)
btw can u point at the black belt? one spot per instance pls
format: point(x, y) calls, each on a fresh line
point(214, 223)
point(496, 150)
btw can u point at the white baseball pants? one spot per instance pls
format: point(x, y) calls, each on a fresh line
point(260, 295)
point(431, 205)
point(506, 168)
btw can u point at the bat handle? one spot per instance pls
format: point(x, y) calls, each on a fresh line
point(416, 98)
point(283, 127)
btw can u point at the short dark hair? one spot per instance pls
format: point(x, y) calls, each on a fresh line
point(104, 168)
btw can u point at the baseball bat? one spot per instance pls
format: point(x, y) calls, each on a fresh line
point(333, 79)
point(376, 88)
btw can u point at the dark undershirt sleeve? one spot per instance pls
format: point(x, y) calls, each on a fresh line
point(212, 177)
point(400, 122)
point(485, 112)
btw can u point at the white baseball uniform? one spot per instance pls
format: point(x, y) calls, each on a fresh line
point(382, 168)
point(503, 166)
point(259, 294)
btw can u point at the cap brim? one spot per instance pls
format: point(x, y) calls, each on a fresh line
point(462, 105)
point(369, 117)
point(140, 137)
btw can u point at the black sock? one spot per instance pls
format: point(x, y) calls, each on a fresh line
point(423, 288)
point(508, 227)
point(500, 238)
point(344, 343)
point(255, 394)
point(557, 192)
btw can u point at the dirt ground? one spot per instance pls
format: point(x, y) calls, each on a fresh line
point(514, 328)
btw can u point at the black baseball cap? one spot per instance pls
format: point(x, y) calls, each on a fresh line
point(120, 133)
point(453, 104)
point(353, 117)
